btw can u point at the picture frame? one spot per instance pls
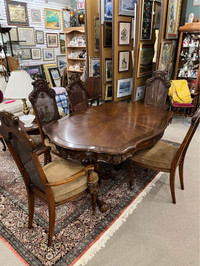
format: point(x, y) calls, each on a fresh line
point(25, 53)
point(52, 19)
point(196, 3)
point(26, 36)
point(165, 55)
point(145, 61)
point(62, 42)
point(55, 76)
point(66, 18)
point(127, 7)
point(108, 10)
point(124, 61)
point(14, 35)
point(140, 93)
point(173, 16)
point(61, 62)
point(34, 69)
point(16, 13)
point(36, 53)
point(48, 54)
point(36, 16)
point(124, 87)
point(94, 69)
point(107, 34)
point(52, 40)
point(147, 20)
point(46, 72)
point(108, 92)
point(108, 68)
point(124, 33)
point(157, 15)
point(96, 34)
point(39, 35)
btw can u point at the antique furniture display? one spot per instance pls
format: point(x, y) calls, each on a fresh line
point(187, 64)
point(157, 88)
point(166, 157)
point(93, 89)
point(56, 183)
point(110, 132)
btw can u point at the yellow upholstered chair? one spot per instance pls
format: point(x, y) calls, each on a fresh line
point(166, 157)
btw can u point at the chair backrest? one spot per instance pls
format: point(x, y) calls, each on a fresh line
point(93, 88)
point(77, 95)
point(184, 145)
point(44, 104)
point(22, 148)
point(157, 88)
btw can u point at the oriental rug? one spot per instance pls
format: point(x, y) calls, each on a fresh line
point(78, 234)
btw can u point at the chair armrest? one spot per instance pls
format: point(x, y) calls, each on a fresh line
point(71, 178)
point(45, 149)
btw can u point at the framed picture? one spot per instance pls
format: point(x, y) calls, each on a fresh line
point(109, 71)
point(165, 55)
point(66, 18)
point(139, 93)
point(96, 34)
point(147, 20)
point(36, 16)
point(16, 13)
point(62, 42)
point(14, 35)
point(127, 7)
point(36, 53)
point(48, 54)
point(107, 34)
point(196, 2)
point(94, 70)
point(33, 70)
point(108, 92)
point(157, 15)
point(173, 15)
point(47, 73)
point(39, 37)
point(124, 33)
point(124, 87)
point(55, 76)
point(26, 36)
point(52, 19)
point(145, 62)
point(52, 40)
point(107, 10)
point(61, 62)
point(25, 53)
point(124, 61)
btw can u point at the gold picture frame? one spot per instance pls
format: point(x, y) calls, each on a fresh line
point(47, 74)
point(165, 55)
point(145, 60)
point(52, 18)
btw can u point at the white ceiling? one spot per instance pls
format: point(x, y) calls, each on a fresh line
point(65, 2)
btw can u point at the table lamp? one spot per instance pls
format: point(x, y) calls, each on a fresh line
point(19, 87)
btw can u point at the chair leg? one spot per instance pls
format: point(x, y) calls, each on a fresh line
point(181, 174)
point(94, 201)
point(131, 174)
point(52, 217)
point(4, 145)
point(47, 158)
point(31, 204)
point(172, 186)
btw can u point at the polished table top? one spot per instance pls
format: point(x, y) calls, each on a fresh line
point(110, 132)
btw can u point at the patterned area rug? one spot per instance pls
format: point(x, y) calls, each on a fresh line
point(76, 228)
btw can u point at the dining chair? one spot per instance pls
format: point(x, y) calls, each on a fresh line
point(77, 95)
point(166, 156)
point(157, 88)
point(56, 183)
point(93, 89)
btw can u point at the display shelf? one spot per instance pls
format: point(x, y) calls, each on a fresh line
point(77, 71)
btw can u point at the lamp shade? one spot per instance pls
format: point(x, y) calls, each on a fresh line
point(19, 85)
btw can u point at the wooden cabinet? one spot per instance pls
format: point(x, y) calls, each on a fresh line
point(75, 42)
point(188, 56)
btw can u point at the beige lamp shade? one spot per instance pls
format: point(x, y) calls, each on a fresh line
point(19, 85)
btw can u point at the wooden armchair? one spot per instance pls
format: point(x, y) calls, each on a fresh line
point(93, 89)
point(166, 157)
point(56, 183)
point(157, 88)
point(77, 96)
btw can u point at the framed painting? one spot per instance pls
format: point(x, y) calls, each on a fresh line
point(96, 34)
point(127, 7)
point(165, 55)
point(145, 62)
point(173, 16)
point(36, 16)
point(124, 87)
point(33, 70)
point(48, 54)
point(108, 92)
point(61, 62)
point(108, 10)
point(55, 76)
point(52, 19)
point(16, 13)
point(39, 34)
point(66, 18)
point(52, 40)
point(109, 71)
point(25, 53)
point(62, 42)
point(26, 36)
point(14, 35)
point(147, 20)
point(196, 2)
point(124, 61)
point(47, 74)
point(124, 33)
point(94, 70)
point(107, 34)
point(157, 15)
point(139, 93)
point(36, 53)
